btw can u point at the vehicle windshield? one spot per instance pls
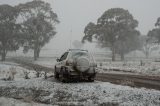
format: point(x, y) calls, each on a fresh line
point(77, 54)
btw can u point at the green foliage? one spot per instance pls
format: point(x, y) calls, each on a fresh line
point(129, 43)
point(9, 29)
point(89, 31)
point(38, 24)
point(116, 29)
point(157, 24)
point(154, 34)
point(153, 37)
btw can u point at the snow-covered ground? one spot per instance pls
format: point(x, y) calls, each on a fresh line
point(16, 72)
point(53, 92)
point(47, 62)
point(13, 102)
point(137, 67)
point(87, 94)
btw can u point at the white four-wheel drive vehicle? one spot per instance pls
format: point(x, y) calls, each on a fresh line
point(75, 64)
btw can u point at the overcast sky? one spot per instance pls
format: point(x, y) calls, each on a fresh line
point(76, 14)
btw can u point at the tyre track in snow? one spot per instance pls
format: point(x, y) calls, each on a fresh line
point(151, 82)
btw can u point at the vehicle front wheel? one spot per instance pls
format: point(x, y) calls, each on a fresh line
point(56, 75)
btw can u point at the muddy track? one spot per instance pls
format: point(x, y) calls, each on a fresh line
point(151, 82)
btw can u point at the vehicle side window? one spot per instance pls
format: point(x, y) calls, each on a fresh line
point(64, 56)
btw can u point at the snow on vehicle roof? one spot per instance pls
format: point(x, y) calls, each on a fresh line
point(77, 50)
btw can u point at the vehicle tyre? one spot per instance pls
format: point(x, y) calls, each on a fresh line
point(61, 78)
point(56, 74)
point(91, 79)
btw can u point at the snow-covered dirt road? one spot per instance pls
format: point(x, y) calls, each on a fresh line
point(51, 92)
point(130, 79)
point(14, 102)
point(132, 67)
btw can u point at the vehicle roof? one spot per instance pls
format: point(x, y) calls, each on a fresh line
point(78, 50)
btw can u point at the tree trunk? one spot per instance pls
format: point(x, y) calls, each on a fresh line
point(122, 50)
point(35, 54)
point(38, 52)
point(113, 54)
point(122, 56)
point(3, 55)
point(147, 54)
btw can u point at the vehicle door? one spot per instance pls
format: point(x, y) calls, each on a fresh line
point(62, 61)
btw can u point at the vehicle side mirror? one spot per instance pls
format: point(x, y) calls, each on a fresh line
point(57, 59)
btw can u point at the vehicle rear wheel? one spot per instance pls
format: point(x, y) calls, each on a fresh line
point(91, 79)
point(56, 75)
point(62, 79)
